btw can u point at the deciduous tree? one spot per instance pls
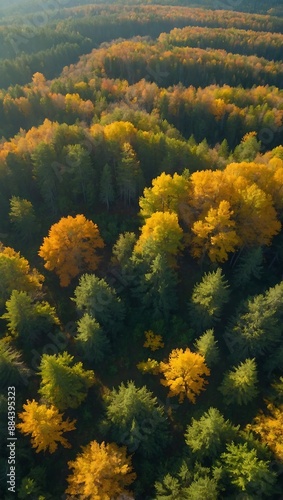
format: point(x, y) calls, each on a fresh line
point(70, 247)
point(45, 425)
point(100, 471)
point(161, 234)
point(184, 374)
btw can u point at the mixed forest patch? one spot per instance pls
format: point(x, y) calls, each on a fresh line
point(141, 297)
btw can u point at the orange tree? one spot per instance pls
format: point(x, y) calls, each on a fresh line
point(184, 374)
point(70, 247)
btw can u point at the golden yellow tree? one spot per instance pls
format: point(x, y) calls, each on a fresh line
point(100, 472)
point(161, 234)
point(184, 374)
point(45, 425)
point(215, 235)
point(70, 247)
point(269, 426)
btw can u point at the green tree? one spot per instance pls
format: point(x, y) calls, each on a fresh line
point(78, 174)
point(63, 383)
point(128, 175)
point(247, 472)
point(159, 288)
point(249, 267)
point(208, 299)
point(27, 319)
point(203, 487)
point(257, 327)
point(207, 436)
point(12, 369)
point(46, 175)
point(206, 345)
point(123, 248)
point(16, 274)
point(95, 297)
point(239, 384)
point(106, 192)
point(134, 418)
point(91, 340)
point(23, 219)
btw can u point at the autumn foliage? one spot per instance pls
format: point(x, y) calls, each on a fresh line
point(45, 425)
point(184, 374)
point(70, 247)
point(101, 471)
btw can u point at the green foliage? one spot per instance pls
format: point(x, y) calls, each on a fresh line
point(123, 248)
point(257, 327)
point(240, 384)
point(63, 383)
point(203, 487)
point(134, 418)
point(29, 320)
point(206, 345)
point(91, 340)
point(12, 369)
point(249, 267)
point(247, 472)
point(158, 289)
point(208, 299)
point(106, 192)
point(23, 219)
point(95, 297)
point(207, 436)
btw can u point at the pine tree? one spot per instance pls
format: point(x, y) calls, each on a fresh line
point(247, 472)
point(63, 383)
point(95, 297)
point(256, 328)
point(23, 219)
point(12, 369)
point(208, 299)
point(239, 384)
point(159, 293)
point(28, 320)
point(206, 345)
point(106, 192)
point(134, 418)
point(207, 436)
point(91, 340)
point(249, 267)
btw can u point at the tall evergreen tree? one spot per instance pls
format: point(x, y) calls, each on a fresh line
point(208, 299)
point(240, 384)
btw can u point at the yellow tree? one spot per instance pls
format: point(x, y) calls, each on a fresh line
point(45, 425)
point(165, 195)
point(161, 234)
point(256, 216)
point(184, 374)
point(70, 247)
point(215, 235)
point(100, 472)
point(269, 426)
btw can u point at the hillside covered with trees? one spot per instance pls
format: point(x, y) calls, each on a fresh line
point(141, 262)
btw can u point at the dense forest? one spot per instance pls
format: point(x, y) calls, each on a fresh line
point(141, 261)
